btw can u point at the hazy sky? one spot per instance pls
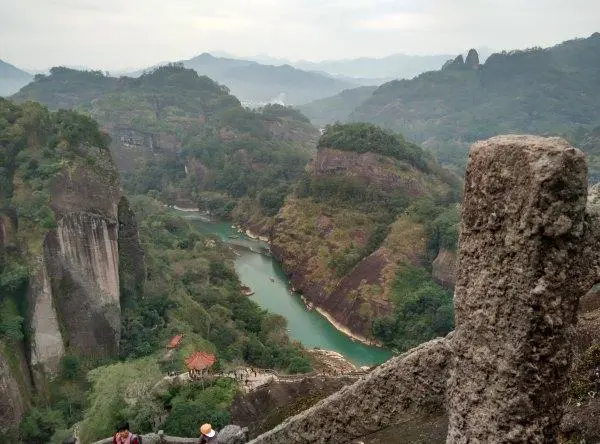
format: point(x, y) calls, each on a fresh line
point(119, 34)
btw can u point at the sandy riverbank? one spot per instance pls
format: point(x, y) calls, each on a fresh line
point(252, 235)
point(187, 210)
point(346, 330)
point(331, 362)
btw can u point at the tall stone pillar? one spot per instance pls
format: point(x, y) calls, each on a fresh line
point(521, 237)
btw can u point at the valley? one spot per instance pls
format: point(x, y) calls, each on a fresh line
point(264, 275)
point(170, 255)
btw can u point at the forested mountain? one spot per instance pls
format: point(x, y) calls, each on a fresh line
point(188, 139)
point(93, 284)
point(363, 229)
point(12, 78)
point(541, 91)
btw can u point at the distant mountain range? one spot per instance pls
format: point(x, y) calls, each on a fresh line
point(263, 79)
point(336, 108)
point(546, 91)
point(12, 79)
point(364, 70)
point(256, 84)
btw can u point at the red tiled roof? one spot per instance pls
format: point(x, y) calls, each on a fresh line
point(199, 361)
point(174, 342)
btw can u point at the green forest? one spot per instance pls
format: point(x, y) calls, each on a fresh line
point(191, 289)
point(233, 155)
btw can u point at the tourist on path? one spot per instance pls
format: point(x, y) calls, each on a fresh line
point(207, 434)
point(124, 436)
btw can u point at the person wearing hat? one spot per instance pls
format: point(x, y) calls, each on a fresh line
point(207, 434)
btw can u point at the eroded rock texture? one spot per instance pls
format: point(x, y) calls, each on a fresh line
point(521, 237)
point(74, 293)
point(15, 390)
point(132, 260)
point(409, 386)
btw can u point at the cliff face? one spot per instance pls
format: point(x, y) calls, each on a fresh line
point(59, 250)
point(342, 252)
point(370, 169)
point(15, 389)
point(75, 293)
point(443, 268)
point(132, 260)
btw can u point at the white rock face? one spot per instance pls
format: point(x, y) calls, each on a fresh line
point(75, 295)
point(48, 346)
point(89, 249)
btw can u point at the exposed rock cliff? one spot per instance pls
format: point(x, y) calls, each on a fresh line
point(443, 268)
point(15, 389)
point(63, 190)
point(75, 291)
point(132, 260)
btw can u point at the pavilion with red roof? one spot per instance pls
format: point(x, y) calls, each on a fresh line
point(199, 362)
point(174, 342)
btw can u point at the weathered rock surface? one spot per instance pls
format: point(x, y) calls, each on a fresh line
point(266, 407)
point(8, 228)
point(521, 236)
point(15, 389)
point(403, 388)
point(232, 434)
point(82, 262)
point(74, 294)
point(443, 268)
point(132, 260)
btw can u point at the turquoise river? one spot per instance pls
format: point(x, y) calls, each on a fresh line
point(269, 283)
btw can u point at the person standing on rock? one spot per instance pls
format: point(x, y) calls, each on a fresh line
point(207, 434)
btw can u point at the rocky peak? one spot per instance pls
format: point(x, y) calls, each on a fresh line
point(472, 60)
point(454, 64)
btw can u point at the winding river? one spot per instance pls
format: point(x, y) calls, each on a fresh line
point(267, 280)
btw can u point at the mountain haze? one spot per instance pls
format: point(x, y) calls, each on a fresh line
point(336, 108)
point(12, 78)
point(395, 66)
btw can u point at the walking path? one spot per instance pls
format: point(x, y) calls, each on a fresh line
point(250, 379)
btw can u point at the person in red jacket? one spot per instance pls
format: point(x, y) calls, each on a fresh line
point(124, 436)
